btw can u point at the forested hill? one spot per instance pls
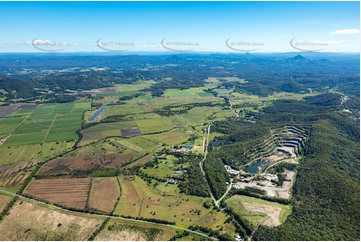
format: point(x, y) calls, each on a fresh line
point(326, 201)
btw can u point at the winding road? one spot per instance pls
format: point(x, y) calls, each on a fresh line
point(231, 107)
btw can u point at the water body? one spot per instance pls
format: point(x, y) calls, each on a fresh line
point(254, 168)
point(97, 113)
point(226, 91)
point(227, 142)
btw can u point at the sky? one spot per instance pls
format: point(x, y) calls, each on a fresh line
point(122, 27)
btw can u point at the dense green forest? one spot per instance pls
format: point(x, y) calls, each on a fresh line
point(326, 192)
point(194, 184)
point(216, 175)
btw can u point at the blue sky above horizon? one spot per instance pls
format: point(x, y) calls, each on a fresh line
point(180, 26)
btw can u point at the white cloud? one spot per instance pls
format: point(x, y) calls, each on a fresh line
point(346, 31)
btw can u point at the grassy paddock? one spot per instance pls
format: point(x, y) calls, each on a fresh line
point(259, 211)
point(140, 200)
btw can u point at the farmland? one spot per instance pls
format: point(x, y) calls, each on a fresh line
point(140, 200)
point(13, 175)
point(38, 132)
point(48, 123)
point(103, 194)
point(37, 152)
point(71, 193)
point(104, 130)
point(69, 165)
point(4, 200)
point(186, 143)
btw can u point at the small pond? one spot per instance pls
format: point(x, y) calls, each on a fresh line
point(255, 167)
point(97, 113)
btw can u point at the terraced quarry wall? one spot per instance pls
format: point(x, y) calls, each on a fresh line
point(281, 144)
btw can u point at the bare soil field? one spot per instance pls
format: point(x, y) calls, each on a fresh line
point(122, 235)
point(27, 221)
point(104, 193)
point(258, 211)
point(273, 213)
point(5, 110)
point(67, 192)
point(66, 165)
point(130, 132)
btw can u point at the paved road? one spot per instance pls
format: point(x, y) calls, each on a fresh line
point(225, 194)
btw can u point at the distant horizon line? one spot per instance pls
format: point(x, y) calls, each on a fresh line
point(169, 52)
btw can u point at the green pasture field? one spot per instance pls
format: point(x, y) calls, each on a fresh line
point(140, 200)
point(128, 89)
point(39, 152)
point(124, 109)
point(104, 130)
point(236, 203)
point(162, 170)
point(108, 146)
point(243, 98)
point(196, 91)
point(159, 102)
point(199, 115)
point(139, 143)
point(169, 137)
point(154, 125)
point(134, 87)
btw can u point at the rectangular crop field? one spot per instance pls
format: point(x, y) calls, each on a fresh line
point(47, 123)
point(103, 194)
point(67, 165)
point(72, 192)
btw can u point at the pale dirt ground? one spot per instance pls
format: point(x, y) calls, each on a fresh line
point(273, 213)
point(120, 235)
point(27, 221)
point(271, 189)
